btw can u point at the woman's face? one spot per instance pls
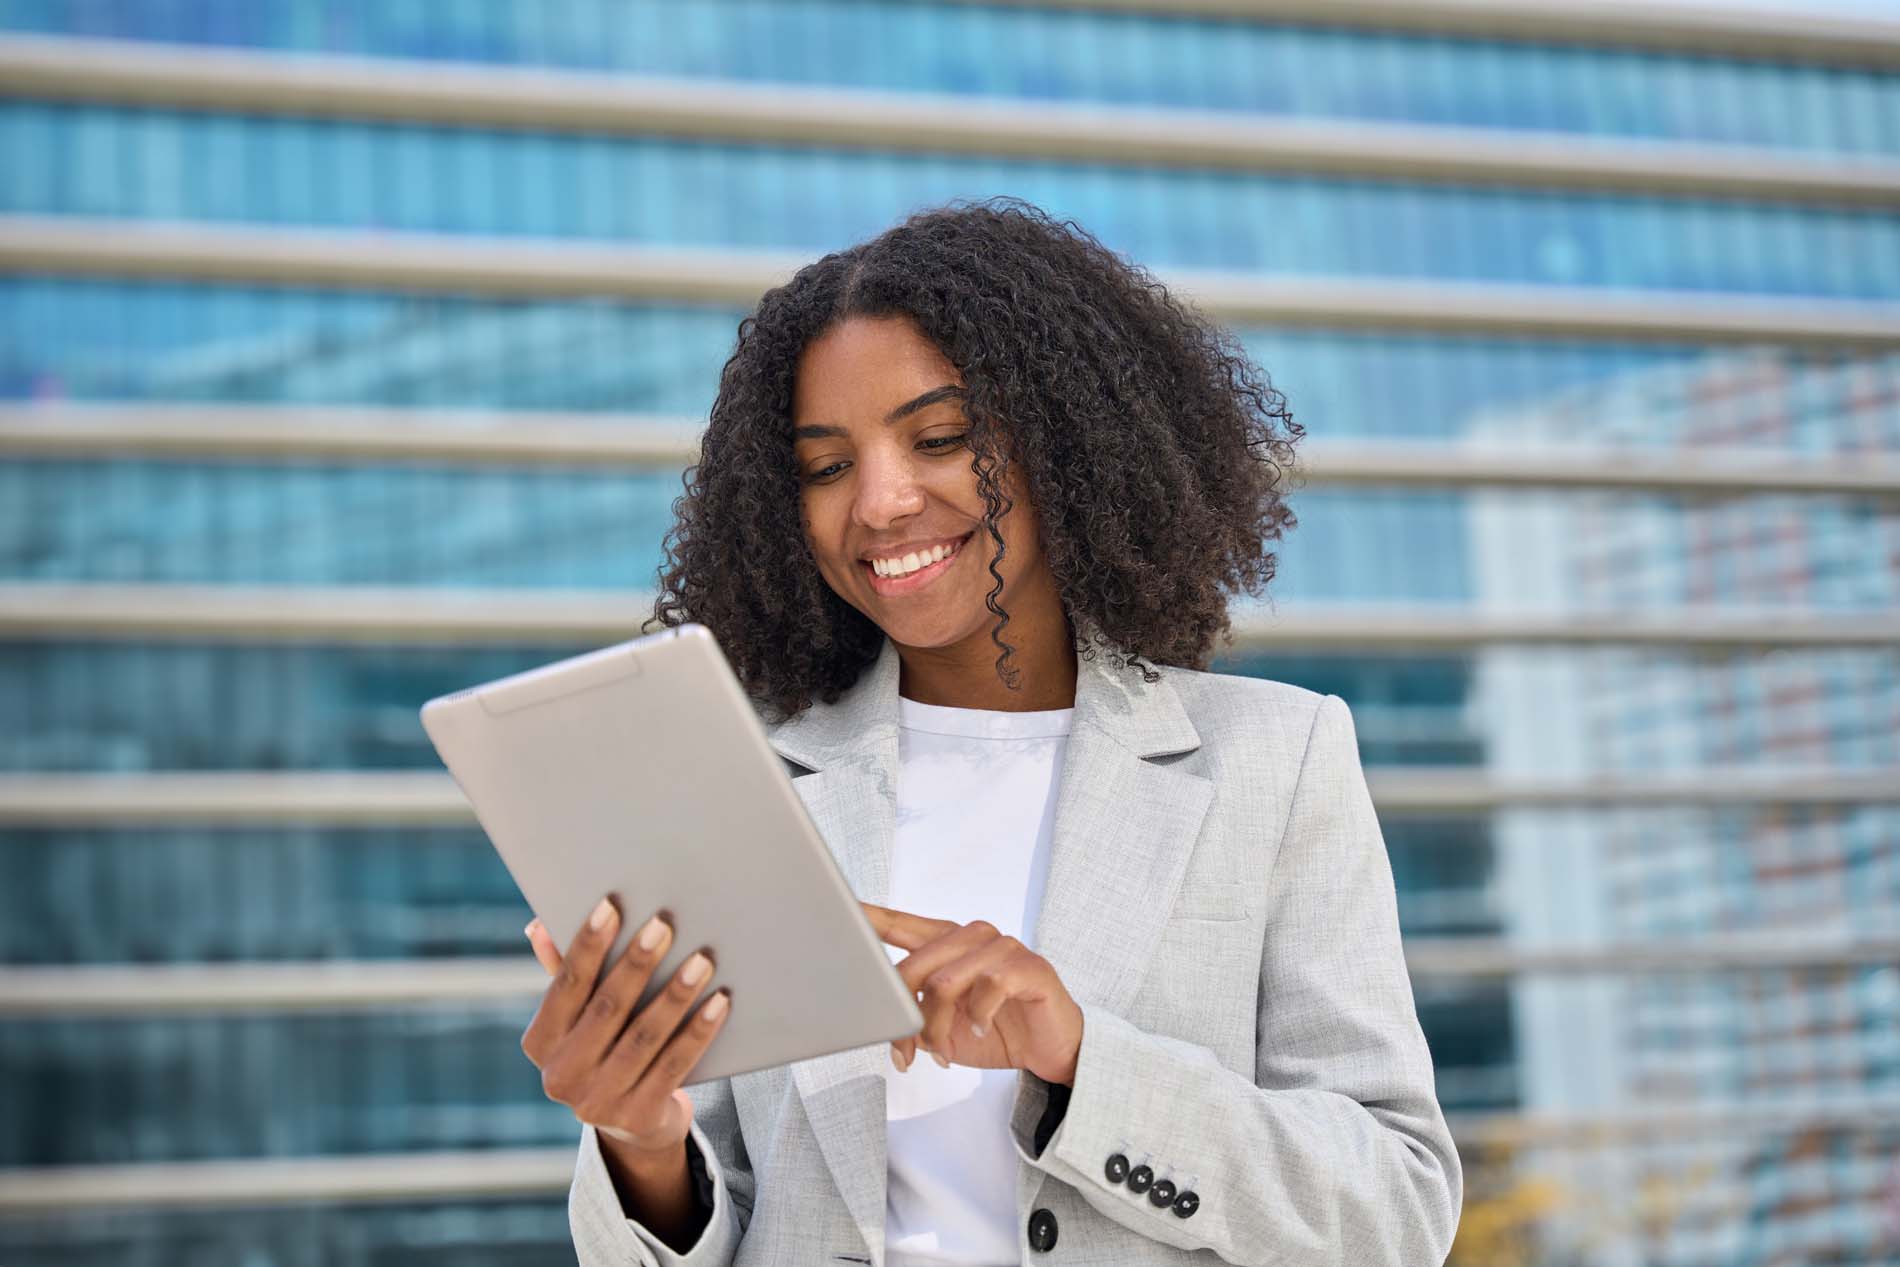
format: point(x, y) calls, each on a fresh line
point(877, 427)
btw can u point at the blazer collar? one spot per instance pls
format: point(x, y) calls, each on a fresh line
point(1147, 719)
point(1122, 832)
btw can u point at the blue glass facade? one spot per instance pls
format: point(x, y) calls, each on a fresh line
point(84, 339)
point(147, 1086)
point(1018, 52)
point(138, 164)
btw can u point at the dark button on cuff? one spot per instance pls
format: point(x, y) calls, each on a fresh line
point(1139, 1178)
point(1116, 1169)
point(1042, 1231)
point(1186, 1204)
point(1162, 1193)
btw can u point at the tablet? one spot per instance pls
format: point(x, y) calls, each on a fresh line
point(641, 770)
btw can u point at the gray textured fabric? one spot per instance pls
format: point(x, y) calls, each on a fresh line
point(1220, 904)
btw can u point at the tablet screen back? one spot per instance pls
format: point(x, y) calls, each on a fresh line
point(641, 770)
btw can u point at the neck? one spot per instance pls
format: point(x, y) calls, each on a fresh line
point(963, 674)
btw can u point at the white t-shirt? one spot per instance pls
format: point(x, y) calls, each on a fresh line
point(976, 798)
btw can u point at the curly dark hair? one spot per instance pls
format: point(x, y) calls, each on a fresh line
point(1154, 452)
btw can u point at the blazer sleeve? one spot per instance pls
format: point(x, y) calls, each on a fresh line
point(605, 1237)
point(1336, 1149)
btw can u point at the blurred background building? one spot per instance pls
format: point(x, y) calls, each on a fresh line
point(350, 353)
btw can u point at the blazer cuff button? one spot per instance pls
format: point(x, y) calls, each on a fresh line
point(1139, 1178)
point(1116, 1169)
point(1162, 1194)
point(1186, 1204)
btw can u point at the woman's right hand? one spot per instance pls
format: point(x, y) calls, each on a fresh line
point(622, 1078)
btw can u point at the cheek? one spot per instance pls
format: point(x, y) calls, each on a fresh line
point(822, 530)
point(1020, 534)
point(825, 530)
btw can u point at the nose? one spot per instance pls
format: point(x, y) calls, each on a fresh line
point(888, 490)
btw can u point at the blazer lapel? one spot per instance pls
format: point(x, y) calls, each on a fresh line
point(851, 748)
point(1122, 833)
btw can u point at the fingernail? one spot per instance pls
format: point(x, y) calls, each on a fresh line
point(938, 1057)
point(978, 1030)
point(602, 913)
point(527, 930)
point(714, 1009)
point(653, 933)
point(897, 1060)
point(695, 970)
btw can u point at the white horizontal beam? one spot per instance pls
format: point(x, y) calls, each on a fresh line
point(1453, 790)
point(387, 798)
point(349, 985)
point(199, 77)
point(355, 798)
point(382, 260)
point(1791, 31)
point(366, 1178)
point(216, 431)
point(1719, 1120)
point(468, 264)
point(472, 1174)
point(402, 614)
point(1378, 627)
point(1467, 957)
point(1680, 472)
point(331, 985)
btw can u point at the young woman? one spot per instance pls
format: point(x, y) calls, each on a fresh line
point(968, 511)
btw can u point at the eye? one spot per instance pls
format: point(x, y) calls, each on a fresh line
point(822, 473)
point(939, 443)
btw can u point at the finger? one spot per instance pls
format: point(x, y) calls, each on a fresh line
point(573, 985)
point(903, 1051)
point(944, 989)
point(959, 941)
point(641, 1043)
point(543, 946)
point(618, 993)
point(990, 991)
point(903, 929)
point(675, 1061)
point(915, 967)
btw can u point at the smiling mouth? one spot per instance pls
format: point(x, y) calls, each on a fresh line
point(917, 579)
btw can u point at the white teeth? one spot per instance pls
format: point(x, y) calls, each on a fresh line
point(911, 562)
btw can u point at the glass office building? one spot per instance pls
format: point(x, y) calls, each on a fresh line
point(350, 354)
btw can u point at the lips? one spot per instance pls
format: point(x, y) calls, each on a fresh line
point(889, 585)
point(955, 542)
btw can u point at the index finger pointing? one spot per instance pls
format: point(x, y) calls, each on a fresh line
point(903, 929)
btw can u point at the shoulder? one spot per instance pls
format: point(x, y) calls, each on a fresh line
point(1259, 716)
point(1219, 698)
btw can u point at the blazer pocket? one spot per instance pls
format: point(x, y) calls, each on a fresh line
point(1210, 900)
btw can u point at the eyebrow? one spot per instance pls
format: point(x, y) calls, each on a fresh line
point(820, 431)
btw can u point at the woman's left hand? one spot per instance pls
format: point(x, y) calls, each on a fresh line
point(988, 1000)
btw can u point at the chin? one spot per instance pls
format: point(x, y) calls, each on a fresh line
point(926, 636)
point(924, 631)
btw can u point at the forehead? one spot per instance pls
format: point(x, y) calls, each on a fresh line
point(861, 368)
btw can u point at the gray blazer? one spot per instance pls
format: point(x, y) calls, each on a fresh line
point(1220, 904)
